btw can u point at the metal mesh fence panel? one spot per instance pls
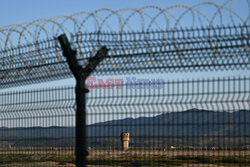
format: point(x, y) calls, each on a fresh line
point(37, 126)
point(191, 121)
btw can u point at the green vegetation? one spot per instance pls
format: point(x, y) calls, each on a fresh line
point(29, 158)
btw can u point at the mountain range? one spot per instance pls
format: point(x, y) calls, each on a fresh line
point(193, 123)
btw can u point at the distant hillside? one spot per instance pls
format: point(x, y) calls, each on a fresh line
point(191, 123)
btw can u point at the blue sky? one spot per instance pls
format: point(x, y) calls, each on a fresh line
point(19, 11)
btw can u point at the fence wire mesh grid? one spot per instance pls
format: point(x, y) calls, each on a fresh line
point(163, 96)
point(188, 121)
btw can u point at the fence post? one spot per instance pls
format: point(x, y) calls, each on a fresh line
point(80, 75)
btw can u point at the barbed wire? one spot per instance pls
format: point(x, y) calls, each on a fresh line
point(147, 45)
point(123, 20)
point(177, 50)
